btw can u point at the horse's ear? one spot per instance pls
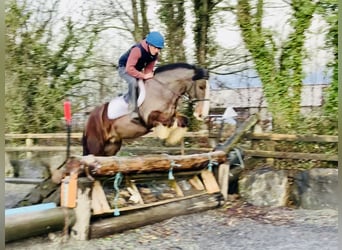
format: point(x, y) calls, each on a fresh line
point(200, 73)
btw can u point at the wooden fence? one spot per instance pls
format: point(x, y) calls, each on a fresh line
point(30, 143)
point(271, 152)
point(269, 139)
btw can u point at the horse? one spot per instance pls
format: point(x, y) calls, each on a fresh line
point(157, 108)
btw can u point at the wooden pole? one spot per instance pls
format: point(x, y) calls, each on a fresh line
point(36, 223)
point(138, 218)
point(80, 230)
point(223, 179)
point(241, 131)
point(29, 143)
point(108, 166)
point(23, 180)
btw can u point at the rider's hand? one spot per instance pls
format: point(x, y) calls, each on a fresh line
point(148, 75)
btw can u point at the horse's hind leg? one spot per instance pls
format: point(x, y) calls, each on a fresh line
point(111, 148)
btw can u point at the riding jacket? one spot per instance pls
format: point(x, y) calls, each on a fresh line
point(138, 59)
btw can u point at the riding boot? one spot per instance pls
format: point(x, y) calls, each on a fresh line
point(134, 107)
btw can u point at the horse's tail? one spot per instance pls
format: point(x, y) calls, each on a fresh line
point(84, 144)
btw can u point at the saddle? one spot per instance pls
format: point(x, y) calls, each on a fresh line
point(118, 107)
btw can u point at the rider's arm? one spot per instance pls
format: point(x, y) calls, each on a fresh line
point(149, 67)
point(132, 61)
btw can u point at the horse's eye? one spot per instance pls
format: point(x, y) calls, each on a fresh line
point(202, 87)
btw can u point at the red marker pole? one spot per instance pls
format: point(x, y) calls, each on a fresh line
point(67, 117)
point(69, 183)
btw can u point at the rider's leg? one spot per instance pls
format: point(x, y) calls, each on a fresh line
point(133, 106)
point(131, 95)
point(132, 98)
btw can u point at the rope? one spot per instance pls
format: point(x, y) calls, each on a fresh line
point(172, 165)
point(238, 153)
point(211, 163)
point(116, 184)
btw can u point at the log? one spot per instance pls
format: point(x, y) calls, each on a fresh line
point(37, 223)
point(108, 166)
point(155, 214)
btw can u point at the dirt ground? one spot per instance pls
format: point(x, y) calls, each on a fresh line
point(236, 225)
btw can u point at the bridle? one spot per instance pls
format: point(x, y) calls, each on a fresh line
point(194, 85)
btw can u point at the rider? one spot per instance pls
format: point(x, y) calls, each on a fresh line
point(138, 63)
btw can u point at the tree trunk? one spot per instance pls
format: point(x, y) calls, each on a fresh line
point(108, 166)
point(37, 223)
point(156, 214)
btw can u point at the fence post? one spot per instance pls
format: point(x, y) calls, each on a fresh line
point(29, 143)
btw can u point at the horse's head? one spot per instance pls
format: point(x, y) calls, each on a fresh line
point(199, 93)
point(184, 78)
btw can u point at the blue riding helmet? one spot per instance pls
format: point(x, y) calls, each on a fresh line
point(155, 39)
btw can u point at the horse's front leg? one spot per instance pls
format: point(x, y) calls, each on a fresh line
point(178, 132)
point(182, 120)
point(171, 128)
point(161, 123)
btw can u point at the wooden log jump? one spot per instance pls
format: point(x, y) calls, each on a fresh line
point(108, 166)
point(197, 171)
point(140, 214)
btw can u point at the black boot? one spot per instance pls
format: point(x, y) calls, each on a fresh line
point(135, 118)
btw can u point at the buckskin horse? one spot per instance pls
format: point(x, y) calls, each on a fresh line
point(110, 123)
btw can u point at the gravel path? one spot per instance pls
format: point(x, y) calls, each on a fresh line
point(233, 226)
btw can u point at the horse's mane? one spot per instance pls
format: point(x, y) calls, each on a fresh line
point(199, 72)
point(172, 66)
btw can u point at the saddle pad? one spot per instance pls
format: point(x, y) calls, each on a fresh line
point(118, 106)
point(142, 92)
